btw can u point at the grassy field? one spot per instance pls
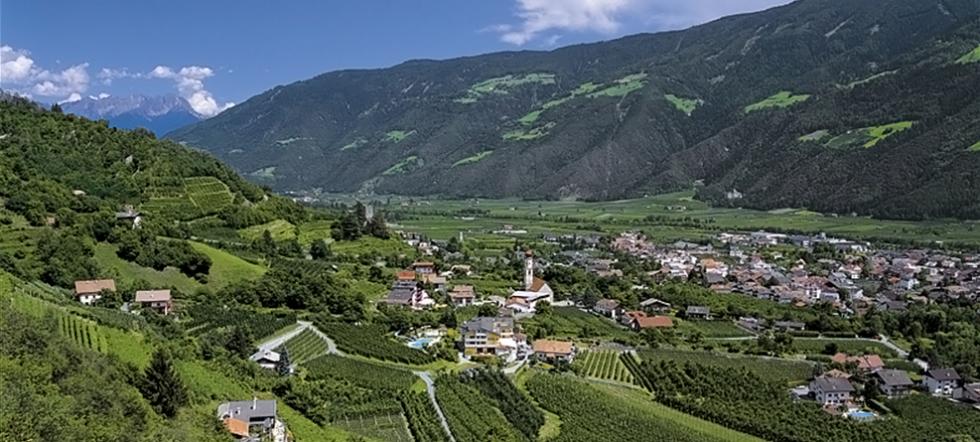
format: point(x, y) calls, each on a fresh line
point(641, 402)
point(403, 166)
point(397, 136)
point(780, 100)
point(867, 137)
point(314, 230)
point(852, 347)
point(389, 428)
point(776, 370)
point(686, 105)
point(975, 147)
point(473, 158)
point(970, 57)
point(128, 272)
point(280, 230)
point(227, 268)
point(370, 245)
point(501, 85)
point(588, 218)
point(529, 134)
point(713, 329)
point(570, 322)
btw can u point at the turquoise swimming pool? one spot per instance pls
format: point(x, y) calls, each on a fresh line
point(421, 343)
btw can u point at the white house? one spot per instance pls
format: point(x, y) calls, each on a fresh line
point(88, 292)
point(941, 381)
point(894, 382)
point(830, 390)
point(267, 359)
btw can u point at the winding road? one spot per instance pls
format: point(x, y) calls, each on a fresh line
point(430, 387)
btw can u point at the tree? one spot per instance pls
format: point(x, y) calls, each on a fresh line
point(283, 366)
point(377, 227)
point(320, 250)
point(830, 349)
point(240, 341)
point(871, 390)
point(543, 308)
point(265, 244)
point(488, 309)
point(161, 385)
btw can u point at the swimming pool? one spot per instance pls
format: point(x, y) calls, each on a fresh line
point(422, 343)
point(861, 415)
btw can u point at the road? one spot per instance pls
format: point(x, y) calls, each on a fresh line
point(430, 387)
point(278, 341)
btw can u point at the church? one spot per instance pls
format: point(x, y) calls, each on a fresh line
point(535, 289)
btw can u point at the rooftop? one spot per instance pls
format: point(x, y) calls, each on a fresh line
point(94, 286)
point(552, 347)
point(152, 295)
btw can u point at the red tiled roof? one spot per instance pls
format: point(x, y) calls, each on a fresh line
point(406, 275)
point(237, 427)
point(552, 347)
point(536, 285)
point(152, 295)
point(654, 322)
point(95, 286)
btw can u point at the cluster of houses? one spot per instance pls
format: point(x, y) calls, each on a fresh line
point(836, 391)
point(740, 267)
point(90, 291)
point(651, 315)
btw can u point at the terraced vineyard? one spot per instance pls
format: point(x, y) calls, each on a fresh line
point(305, 346)
point(189, 198)
point(604, 364)
point(85, 333)
point(204, 317)
point(208, 193)
point(372, 341)
point(780, 371)
point(361, 373)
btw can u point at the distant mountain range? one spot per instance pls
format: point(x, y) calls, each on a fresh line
point(863, 106)
point(160, 114)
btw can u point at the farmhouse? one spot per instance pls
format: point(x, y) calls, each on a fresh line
point(424, 267)
point(829, 390)
point(866, 363)
point(654, 305)
point(608, 308)
point(640, 321)
point(158, 300)
point(267, 359)
point(548, 350)
point(894, 382)
point(409, 294)
point(486, 335)
point(88, 292)
point(252, 420)
point(130, 216)
point(969, 393)
point(698, 312)
point(462, 295)
point(941, 381)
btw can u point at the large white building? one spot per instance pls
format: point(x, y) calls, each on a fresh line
point(535, 290)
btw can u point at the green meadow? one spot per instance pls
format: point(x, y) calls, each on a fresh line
point(686, 105)
point(403, 166)
point(227, 268)
point(970, 57)
point(473, 158)
point(779, 100)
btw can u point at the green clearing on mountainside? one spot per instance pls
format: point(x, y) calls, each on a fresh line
point(686, 105)
point(781, 99)
point(622, 87)
point(404, 166)
point(815, 135)
point(473, 158)
point(502, 85)
point(280, 230)
point(970, 57)
point(396, 136)
point(867, 80)
point(975, 147)
point(358, 142)
point(227, 268)
point(867, 137)
point(130, 272)
point(530, 134)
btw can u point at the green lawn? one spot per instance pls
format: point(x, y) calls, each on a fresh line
point(227, 268)
point(127, 272)
point(686, 105)
point(781, 99)
point(852, 347)
point(406, 165)
point(714, 329)
point(867, 137)
point(970, 57)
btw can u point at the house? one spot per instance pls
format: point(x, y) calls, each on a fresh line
point(645, 322)
point(267, 359)
point(405, 276)
point(424, 267)
point(628, 317)
point(252, 420)
point(894, 382)
point(548, 350)
point(462, 295)
point(409, 294)
point(829, 390)
point(485, 335)
point(654, 305)
point(158, 300)
point(130, 216)
point(608, 308)
point(88, 292)
point(698, 312)
point(437, 282)
point(461, 269)
point(789, 326)
point(941, 381)
point(866, 363)
point(969, 393)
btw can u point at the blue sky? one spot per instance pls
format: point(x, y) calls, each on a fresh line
point(216, 53)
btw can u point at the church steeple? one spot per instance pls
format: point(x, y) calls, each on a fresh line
point(528, 269)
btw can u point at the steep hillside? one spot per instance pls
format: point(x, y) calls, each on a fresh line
point(862, 106)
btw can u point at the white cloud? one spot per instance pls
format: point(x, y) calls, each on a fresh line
point(71, 98)
point(538, 17)
point(20, 74)
point(190, 86)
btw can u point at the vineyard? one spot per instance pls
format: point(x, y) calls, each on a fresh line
point(471, 415)
point(207, 317)
point(208, 193)
point(388, 427)
point(589, 414)
point(361, 373)
point(423, 421)
point(187, 199)
point(779, 371)
point(516, 407)
point(83, 332)
point(372, 341)
point(849, 346)
point(734, 397)
point(305, 346)
point(603, 364)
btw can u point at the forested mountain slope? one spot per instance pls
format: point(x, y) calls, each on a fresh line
point(865, 106)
